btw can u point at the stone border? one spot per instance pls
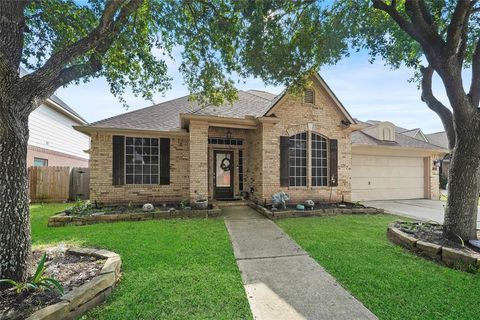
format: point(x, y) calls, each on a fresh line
point(90, 294)
point(449, 256)
point(274, 215)
point(60, 220)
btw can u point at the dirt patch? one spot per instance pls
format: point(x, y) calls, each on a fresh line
point(431, 232)
point(70, 270)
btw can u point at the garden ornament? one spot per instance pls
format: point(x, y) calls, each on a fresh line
point(279, 199)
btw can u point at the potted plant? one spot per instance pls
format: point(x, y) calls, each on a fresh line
point(201, 203)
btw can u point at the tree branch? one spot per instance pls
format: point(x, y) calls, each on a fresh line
point(457, 30)
point(55, 70)
point(417, 28)
point(474, 92)
point(434, 104)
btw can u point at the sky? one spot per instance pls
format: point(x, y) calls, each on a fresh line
point(368, 91)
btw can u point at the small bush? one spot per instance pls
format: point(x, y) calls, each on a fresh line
point(443, 181)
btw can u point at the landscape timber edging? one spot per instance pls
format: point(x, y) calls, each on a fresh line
point(312, 213)
point(60, 220)
point(449, 256)
point(80, 299)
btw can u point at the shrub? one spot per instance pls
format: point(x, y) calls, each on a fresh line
point(443, 181)
point(38, 281)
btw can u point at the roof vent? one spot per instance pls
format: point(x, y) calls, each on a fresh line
point(309, 96)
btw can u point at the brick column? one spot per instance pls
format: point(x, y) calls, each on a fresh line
point(198, 159)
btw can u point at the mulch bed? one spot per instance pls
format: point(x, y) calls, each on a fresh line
point(107, 210)
point(321, 205)
point(432, 232)
point(70, 270)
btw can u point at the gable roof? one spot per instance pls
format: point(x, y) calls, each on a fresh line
point(438, 138)
point(65, 108)
point(403, 138)
point(330, 93)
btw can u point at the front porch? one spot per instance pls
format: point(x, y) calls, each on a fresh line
point(225, 157)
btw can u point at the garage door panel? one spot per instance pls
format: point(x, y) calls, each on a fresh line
point(377, 183)
point(387, 177)
point(368, 172)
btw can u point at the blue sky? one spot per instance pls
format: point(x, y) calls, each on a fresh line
point(368, 91)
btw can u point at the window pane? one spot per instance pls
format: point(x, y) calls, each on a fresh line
point(319, 160)
point(298, 160)
point(139, 154)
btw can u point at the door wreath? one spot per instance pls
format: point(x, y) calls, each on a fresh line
point(225, 164)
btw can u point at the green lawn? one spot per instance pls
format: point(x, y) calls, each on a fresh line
point(391, 282)
point(172, 269)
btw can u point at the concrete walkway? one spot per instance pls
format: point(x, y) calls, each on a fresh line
point(421, 209)
point(281, 280)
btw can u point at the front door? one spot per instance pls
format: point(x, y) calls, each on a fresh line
point(223, 174)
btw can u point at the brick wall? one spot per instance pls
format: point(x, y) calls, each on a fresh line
point(102, 190)
point(323, 118)
point(198, 159)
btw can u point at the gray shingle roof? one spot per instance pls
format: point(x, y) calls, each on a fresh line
point(401, 140)
point(165, 116)
point(439, 138)
point(65, 106)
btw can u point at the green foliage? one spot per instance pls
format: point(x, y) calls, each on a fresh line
point(81, 207)
point(38, 281)
point(373, 30)
point(443, 181)
point(183, 204)
point(214, 41)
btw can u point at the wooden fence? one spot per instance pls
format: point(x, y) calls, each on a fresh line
point(56, 184)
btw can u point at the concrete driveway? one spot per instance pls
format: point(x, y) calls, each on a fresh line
point(422, 209)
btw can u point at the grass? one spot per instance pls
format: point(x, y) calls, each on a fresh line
point(391, 282)
point(172, 269)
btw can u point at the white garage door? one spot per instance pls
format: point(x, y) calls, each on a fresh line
point(387, 177)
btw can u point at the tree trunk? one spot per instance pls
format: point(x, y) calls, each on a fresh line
point(463, 187)
point(15, 239)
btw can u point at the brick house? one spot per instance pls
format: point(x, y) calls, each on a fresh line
point(260, 145)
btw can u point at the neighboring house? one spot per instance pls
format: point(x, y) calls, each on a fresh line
point(440, 139)
point(53, 141)
point(260, 145)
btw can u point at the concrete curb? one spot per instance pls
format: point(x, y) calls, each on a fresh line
point(61, 219)
point(449, 256)
point(89, 295)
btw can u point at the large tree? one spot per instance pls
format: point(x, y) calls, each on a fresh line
point(433, 37)
point(71, 41)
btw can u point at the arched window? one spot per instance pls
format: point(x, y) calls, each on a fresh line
point(319, 161)
point(309, 96)
point(298, 160)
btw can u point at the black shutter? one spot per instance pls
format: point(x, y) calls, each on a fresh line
point(118, 165)
point(165, 161)
point(284, 155)
point(333, 162)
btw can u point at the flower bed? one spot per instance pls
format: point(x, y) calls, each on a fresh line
point(425, 239)
point(321, 209)
point(87, 275)
point(115, 214)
